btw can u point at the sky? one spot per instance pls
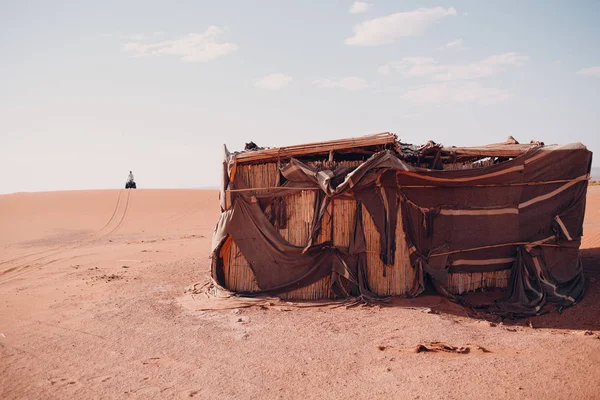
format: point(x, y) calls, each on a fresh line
point(92, 89)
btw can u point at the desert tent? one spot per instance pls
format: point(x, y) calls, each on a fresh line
point(374, 217)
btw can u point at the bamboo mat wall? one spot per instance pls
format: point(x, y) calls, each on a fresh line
point(238, 274)
point(399, 276)
point(469, 165)
point(337, 226)
point(461, 282)
point(300, 212)
point(300, 207)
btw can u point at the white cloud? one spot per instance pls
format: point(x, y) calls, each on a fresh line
point(510, 58)
point(593, 72)
point(458, 92)
point(410, 67)
point(193, 47)
point(348, 83)
point(426, 66)
point(489, 66)
point(454, 83)
point(455, 44)
point(359, 7)
point(385, 30)
point(273, 82)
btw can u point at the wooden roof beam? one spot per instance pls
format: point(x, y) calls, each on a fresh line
point(315, 148)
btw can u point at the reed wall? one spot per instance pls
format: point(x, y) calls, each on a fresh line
point(300, 210)
point(400, 276)
point(238, 274)
point(458, 283)
point(337, 226)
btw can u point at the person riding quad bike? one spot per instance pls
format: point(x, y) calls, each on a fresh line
point(130, 184)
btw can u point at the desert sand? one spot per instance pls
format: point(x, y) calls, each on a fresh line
point(95, 303)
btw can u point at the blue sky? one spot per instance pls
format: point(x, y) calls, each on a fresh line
point(91, 90)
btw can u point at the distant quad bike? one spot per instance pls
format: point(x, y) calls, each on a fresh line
point(130, 185)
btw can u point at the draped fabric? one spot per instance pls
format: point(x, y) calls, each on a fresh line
point(525, 214)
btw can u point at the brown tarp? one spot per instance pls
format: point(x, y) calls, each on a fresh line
point(525, 214)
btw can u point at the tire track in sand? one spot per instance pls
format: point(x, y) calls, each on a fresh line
point(19, 270)
point(123, 217)
point(62, 246)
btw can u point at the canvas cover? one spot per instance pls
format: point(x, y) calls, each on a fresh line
point(525, 214)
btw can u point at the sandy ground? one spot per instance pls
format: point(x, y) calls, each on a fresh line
point(93, 304)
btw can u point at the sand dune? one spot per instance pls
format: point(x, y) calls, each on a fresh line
point(92, 285)
point(48, 229)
